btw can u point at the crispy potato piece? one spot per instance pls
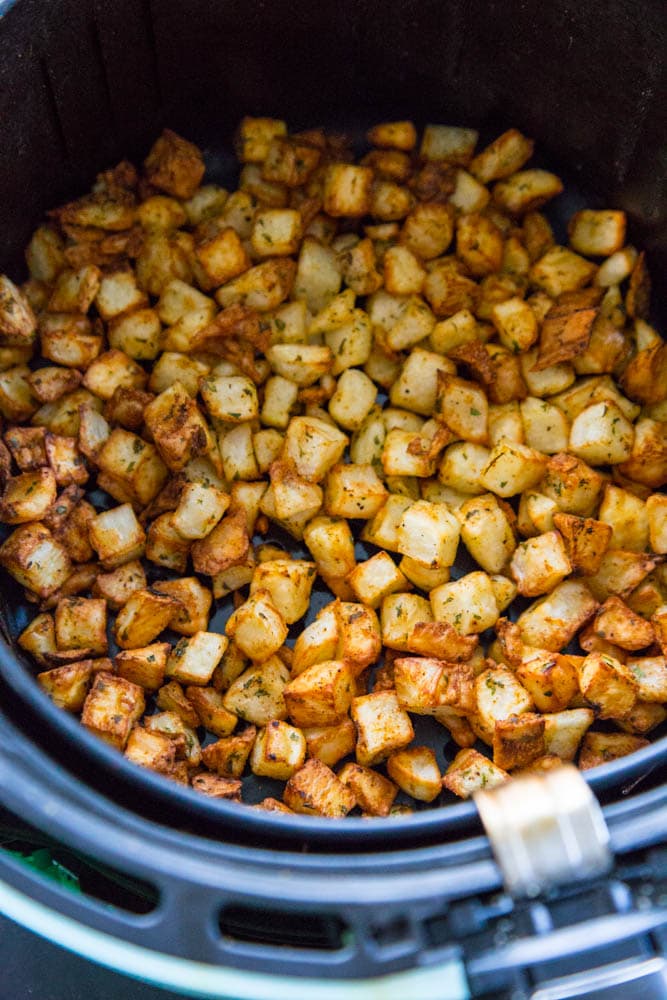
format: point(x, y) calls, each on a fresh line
point(416, 771)
point(373, 792)
point(382, 726)
point(217, 787)
point(112, 707)
point(279, 751)
point(320, 695)
point(423, 685)
point(518, 740)
point(620, 625)
point(152, 750)
point(174, 165)
point(315, 790)
point(608, 685)
point(143, 616)
point(471, 771)
point(599, 748)
point(331, 743)
point(228, 756)
point(566, 329)
point(68, 686)
point(585, 541)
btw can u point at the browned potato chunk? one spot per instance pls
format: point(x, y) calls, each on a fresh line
point(331, 743)
point(518, 740)
point(68, 686)
point(152, 750)
point(608, 685)
point(620, 625)
point(174, 165)
point(585, 541)
point(373, 792)
point(217, 787)
point(600, 748)
point(316, 791)
point(320, 695)
point(416, 771)
point(35, 559)
point(257, 695)
point(382, 726)
point(279, 751)
point(112, 707)
point(141, 619)
point(470, 772)
point(228, 756)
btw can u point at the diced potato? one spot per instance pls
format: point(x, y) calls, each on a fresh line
point(257, 627)
point(512, 468)
point(232, 398)
point(143, 616)
point(647, 463)
point(320, 695)
point(353, 399)
point(627, 516)
point(518, 740)
point(81, 623)
point(132, 469)
point(151, 749)
point(226, 545)
point(546, 427)
point(39, 638)
point(656, 511)
point(539, 564)
point(564, 731)
point(416, 771)
point(600, 748)
point(347, 190)
point(112, 707)
point(424, 685)
point(601, 435)
point(279, 751)
point(486, 532)
point(67, 686)
point(331, 743)
point(144, 666)
point(526, 191)
point(502, 157)
point(315, 790)
point(449, 143)
point(608, 685)
point(288, 582)
point(353, 491)
point(597, 233)
point(479, 244)
point(468, 603)
point(174, 165)
point(550, 678)
point(35, 559)
point(552, 622)
point(193, 659)
point(516, 324)
point(572, 484)
point(399, 616)
point(382, 726)
point(650, 672)
point(257, 695)
point(28, 497)
point(429, 533)
point(428, 229)
point(228, 756)
point(117, 536)
point(498, 695)
point(470, 772)
point(375, 578)
point(373, 792)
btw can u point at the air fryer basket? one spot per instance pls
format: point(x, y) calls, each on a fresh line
point(84, 83)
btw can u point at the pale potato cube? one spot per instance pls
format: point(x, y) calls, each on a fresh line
point(118, 294)
point(118, 586)
point(572, 484)
point(513, 468)
point(471, 772)
point(546, 427)
point(553, 621)
point(193, 660)
point(550, 678)
point(516, 324)
point(656, 511)
point(617, 267)
point(143, 616)
point(597, 233)
point(468, 603)
point(81, 623)
point(331, 743)
point(620, 573)
point(468, 194)
point(463, 407)
point(276, 232)
point(627, 516)
point(486, 532)
point(38, 638)
point(353, 399)
point(75, 290)
point(502, 157)
point(564, 731)
point(257, 627)
point(479, 244)
point(35, 559)
point(302, 364)
point(317, 642)
point(117, 536)
point(647, 463)
point(601, 435)
point(463, 465)
point(353, 491)
point(314, 446)
point(429, 533)
point(279, 751)
point(263, 287)
point(650, 672)
point(359, 637)
point(399, 615)
point(450, 143)
point(375, 578)
point(560, 270)
point(416, 772)
point(199, 509)
point(382, 726)
point(382, 530)
point(316, 791)
point(232, 398)
point(288, 582)
point(423, 576)
point(403, 271)
point(414, 324)
point(539, 564)
point(416, 387)
point(498, 695)
point(280, 396)
point(255, 136)
point(428, 229)
point(257, 694)
point(318, 277)
point(331, 543)
point(459, 328)
point(404, 454)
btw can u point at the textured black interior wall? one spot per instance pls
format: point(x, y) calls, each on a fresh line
point(85, 82)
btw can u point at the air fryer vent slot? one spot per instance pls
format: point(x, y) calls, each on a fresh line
point(283, 928)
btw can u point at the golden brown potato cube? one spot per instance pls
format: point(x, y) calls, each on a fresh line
point(512, 468)
point(255, 136)
point(81, 623)
point(117, 536)
point(564, 731)
point(126, 407)
point(290, 161)
point(550, 678)
point(585, 541)
point(600, 748)
point(347, 190)
point(597, 233)
point(572, 484)
point(600, 434)
point(359, 639)
point(382, 726)
point(165, 546)
point(276, 232)
point(470, 772)
point(560, 270)
point(620, 573)
point(171, 698)
point(67, 686)
point(185, 740)
point(39, 638)
point(487, 533)
point(650, 672)
point(416, 771)
point(257, 627)
point(647, 463)
point(382, 530)
point(35, 559)
point(608, 685)
point(659, 622)
point(75, 290)
point(28, 497)
point(331, 743)
point(479, 244)
point(228, 756)
point(317, 642)
point(428, 230)
point(463, 406)
point(393, 135)
point(138, 334)
point(314, 446)
point(17, 401)
point(263, 287)
point(26, 445)
point(539, 564)
point(193, 659)
point(315, 790)
point(145, 666)
point(112, 370)
point(134, 464)
point(118, 294)
point(112, 707)
point(518, 740)
point(178, 427)
point(399, 615)
point(279, 751)
point(143, 617)
point(257, 695)
point(374, 793)
point(403, 272)
point(320, 695)
point(221, 257)
point(174, 165)
point(643, 718)
point(469, 603)
point(289, 583)
point(152, 750)
point(498, 694)
point(618, 624)
point(17, 320)
point(65, 459)
point(217, 788)
point(516, 324)
point(68, 340)
point(208, 704)
point(551, 622)
point(502, 157)
point(442, 641)
point(424, 684)
point(656, 510)
point(50, 383)
point(526, 191)
point(196, 603)
point(353, 491)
